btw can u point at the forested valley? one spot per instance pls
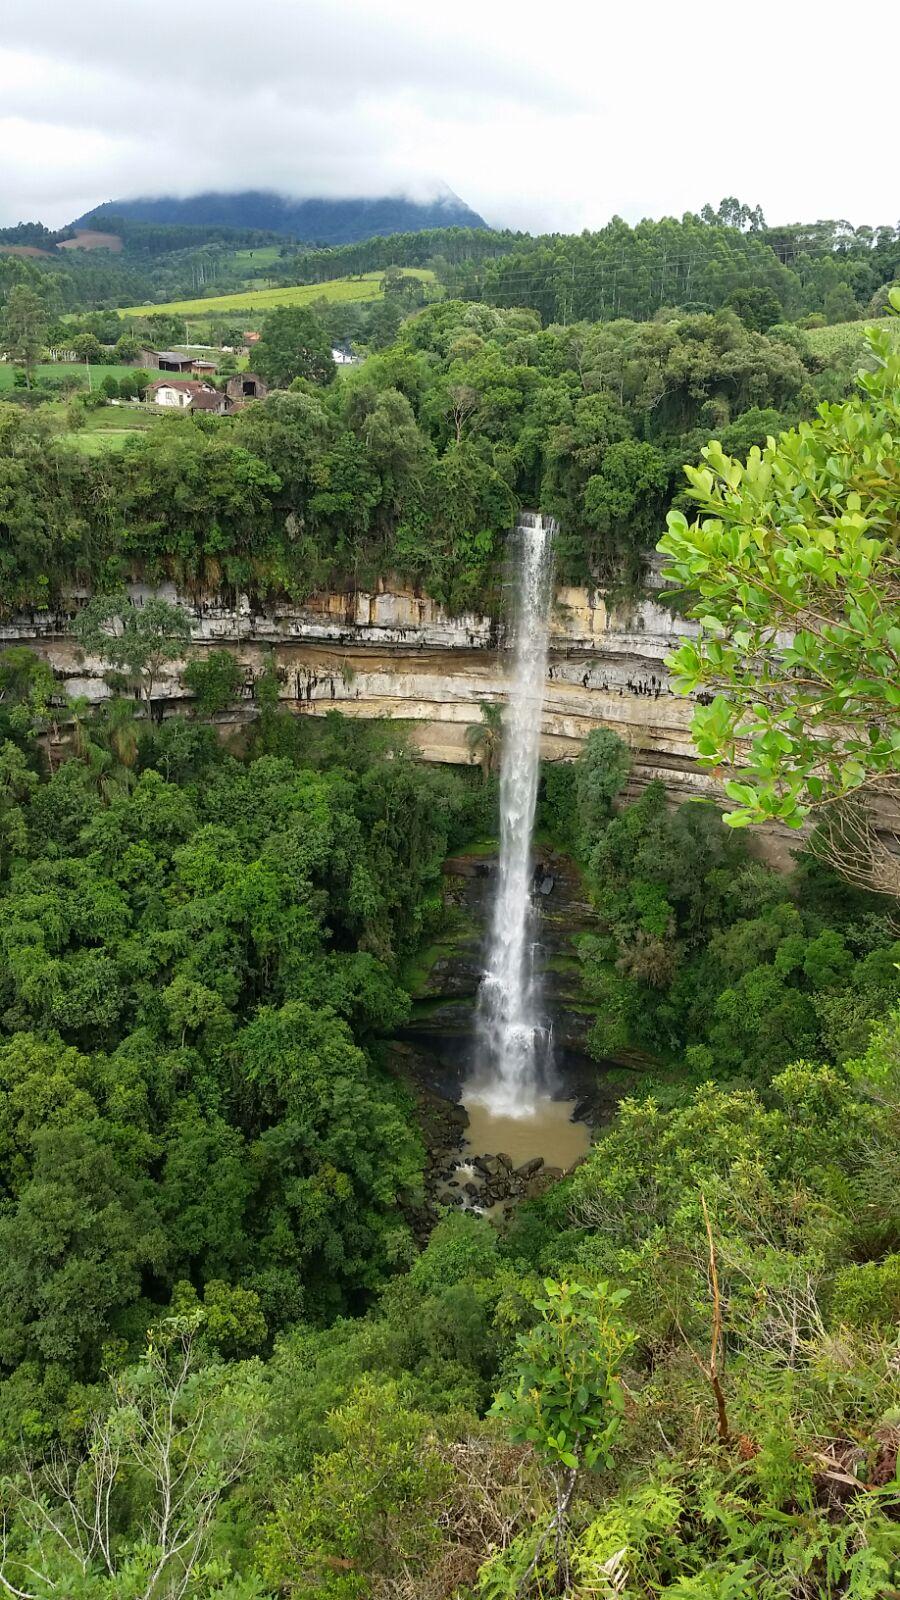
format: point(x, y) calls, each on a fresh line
point(242, 1354)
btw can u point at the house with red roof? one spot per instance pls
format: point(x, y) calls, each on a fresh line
point(187, 394)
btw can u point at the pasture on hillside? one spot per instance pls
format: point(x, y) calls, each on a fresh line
point(63, 369)
point(263, 255)
point(110, 428)
point(365, 287)
point(846, 335)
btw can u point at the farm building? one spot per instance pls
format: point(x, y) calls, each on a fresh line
point(173, 361)
point(210, 400)
point(244, 386)
point(201, 368)
point(166, 360)
point(187, 394)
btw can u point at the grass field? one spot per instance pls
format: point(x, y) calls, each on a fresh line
point(846, 335)
point(109, 429)
point(100, 444)
point(262, 256)
point(60, 369)
point(365, 287)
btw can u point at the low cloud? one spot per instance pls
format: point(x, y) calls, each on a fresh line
point(539, 116)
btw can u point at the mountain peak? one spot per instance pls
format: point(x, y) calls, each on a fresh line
point(310, 221)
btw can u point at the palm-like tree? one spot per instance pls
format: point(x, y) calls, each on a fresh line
point(120, 731)
point(483, 738)
point(110, 756)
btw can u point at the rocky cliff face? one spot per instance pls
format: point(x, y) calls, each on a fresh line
point(398, 654)
point(395, 653)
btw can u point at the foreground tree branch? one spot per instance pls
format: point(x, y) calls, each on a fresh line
point(794, 557)
point(188, 1433)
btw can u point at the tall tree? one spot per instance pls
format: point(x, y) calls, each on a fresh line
point(294, 345)
point(135, 640)
point(795, 558)
point(24, 331)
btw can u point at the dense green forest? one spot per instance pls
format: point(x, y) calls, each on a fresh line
point(698, 263)
point(415, 462)
point(229, 1366)
point(241, 1355)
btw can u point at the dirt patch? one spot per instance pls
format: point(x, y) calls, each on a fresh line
point(87, 239)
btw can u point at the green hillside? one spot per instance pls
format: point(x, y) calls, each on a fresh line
point(845, 335)
point(366, 287)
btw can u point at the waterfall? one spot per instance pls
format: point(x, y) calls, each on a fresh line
point(512, 1038)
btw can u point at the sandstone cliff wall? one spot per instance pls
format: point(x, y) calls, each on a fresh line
point(397, 654)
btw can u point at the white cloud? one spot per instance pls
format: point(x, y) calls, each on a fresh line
point(550, 116)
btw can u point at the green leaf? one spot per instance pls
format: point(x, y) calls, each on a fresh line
point(737, 819)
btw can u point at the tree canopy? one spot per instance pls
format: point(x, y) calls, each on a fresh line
point(794, 558)
point(293, 345)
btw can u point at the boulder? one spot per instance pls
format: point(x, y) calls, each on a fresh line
point(464, 866)
point(529, 1168)
point(540, 1182)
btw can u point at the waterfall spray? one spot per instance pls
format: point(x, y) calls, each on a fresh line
point(513, 1040)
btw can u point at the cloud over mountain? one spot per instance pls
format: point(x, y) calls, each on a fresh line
point(540, 116)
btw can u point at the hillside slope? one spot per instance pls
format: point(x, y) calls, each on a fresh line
point(312, 221)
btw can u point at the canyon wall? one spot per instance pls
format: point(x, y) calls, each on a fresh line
point(397, 654)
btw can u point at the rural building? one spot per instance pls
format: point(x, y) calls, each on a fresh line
point(343, 356)
point(166, 360)
point(200, 367)
point(173, 361)
point(188, 394)
point(210, 400)
point(244, 386)
point(252, 338)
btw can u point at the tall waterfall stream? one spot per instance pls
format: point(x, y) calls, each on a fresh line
point(513, 1039)
point(509, 1092)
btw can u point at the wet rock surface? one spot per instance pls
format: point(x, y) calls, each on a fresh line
point(495, 1187)
point(433, 1054)
point(441, 1027)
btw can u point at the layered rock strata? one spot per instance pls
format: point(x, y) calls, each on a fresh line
point(399, 655)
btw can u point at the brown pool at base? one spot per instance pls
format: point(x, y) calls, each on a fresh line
point(549, 1132)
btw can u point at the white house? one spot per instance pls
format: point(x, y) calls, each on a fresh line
point(188, 394)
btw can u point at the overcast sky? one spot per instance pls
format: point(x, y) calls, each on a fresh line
point(541, 116)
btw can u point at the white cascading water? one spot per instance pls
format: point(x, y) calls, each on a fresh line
point(512, 1037)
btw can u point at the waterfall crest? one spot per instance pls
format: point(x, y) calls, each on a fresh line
point(513, 1040)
